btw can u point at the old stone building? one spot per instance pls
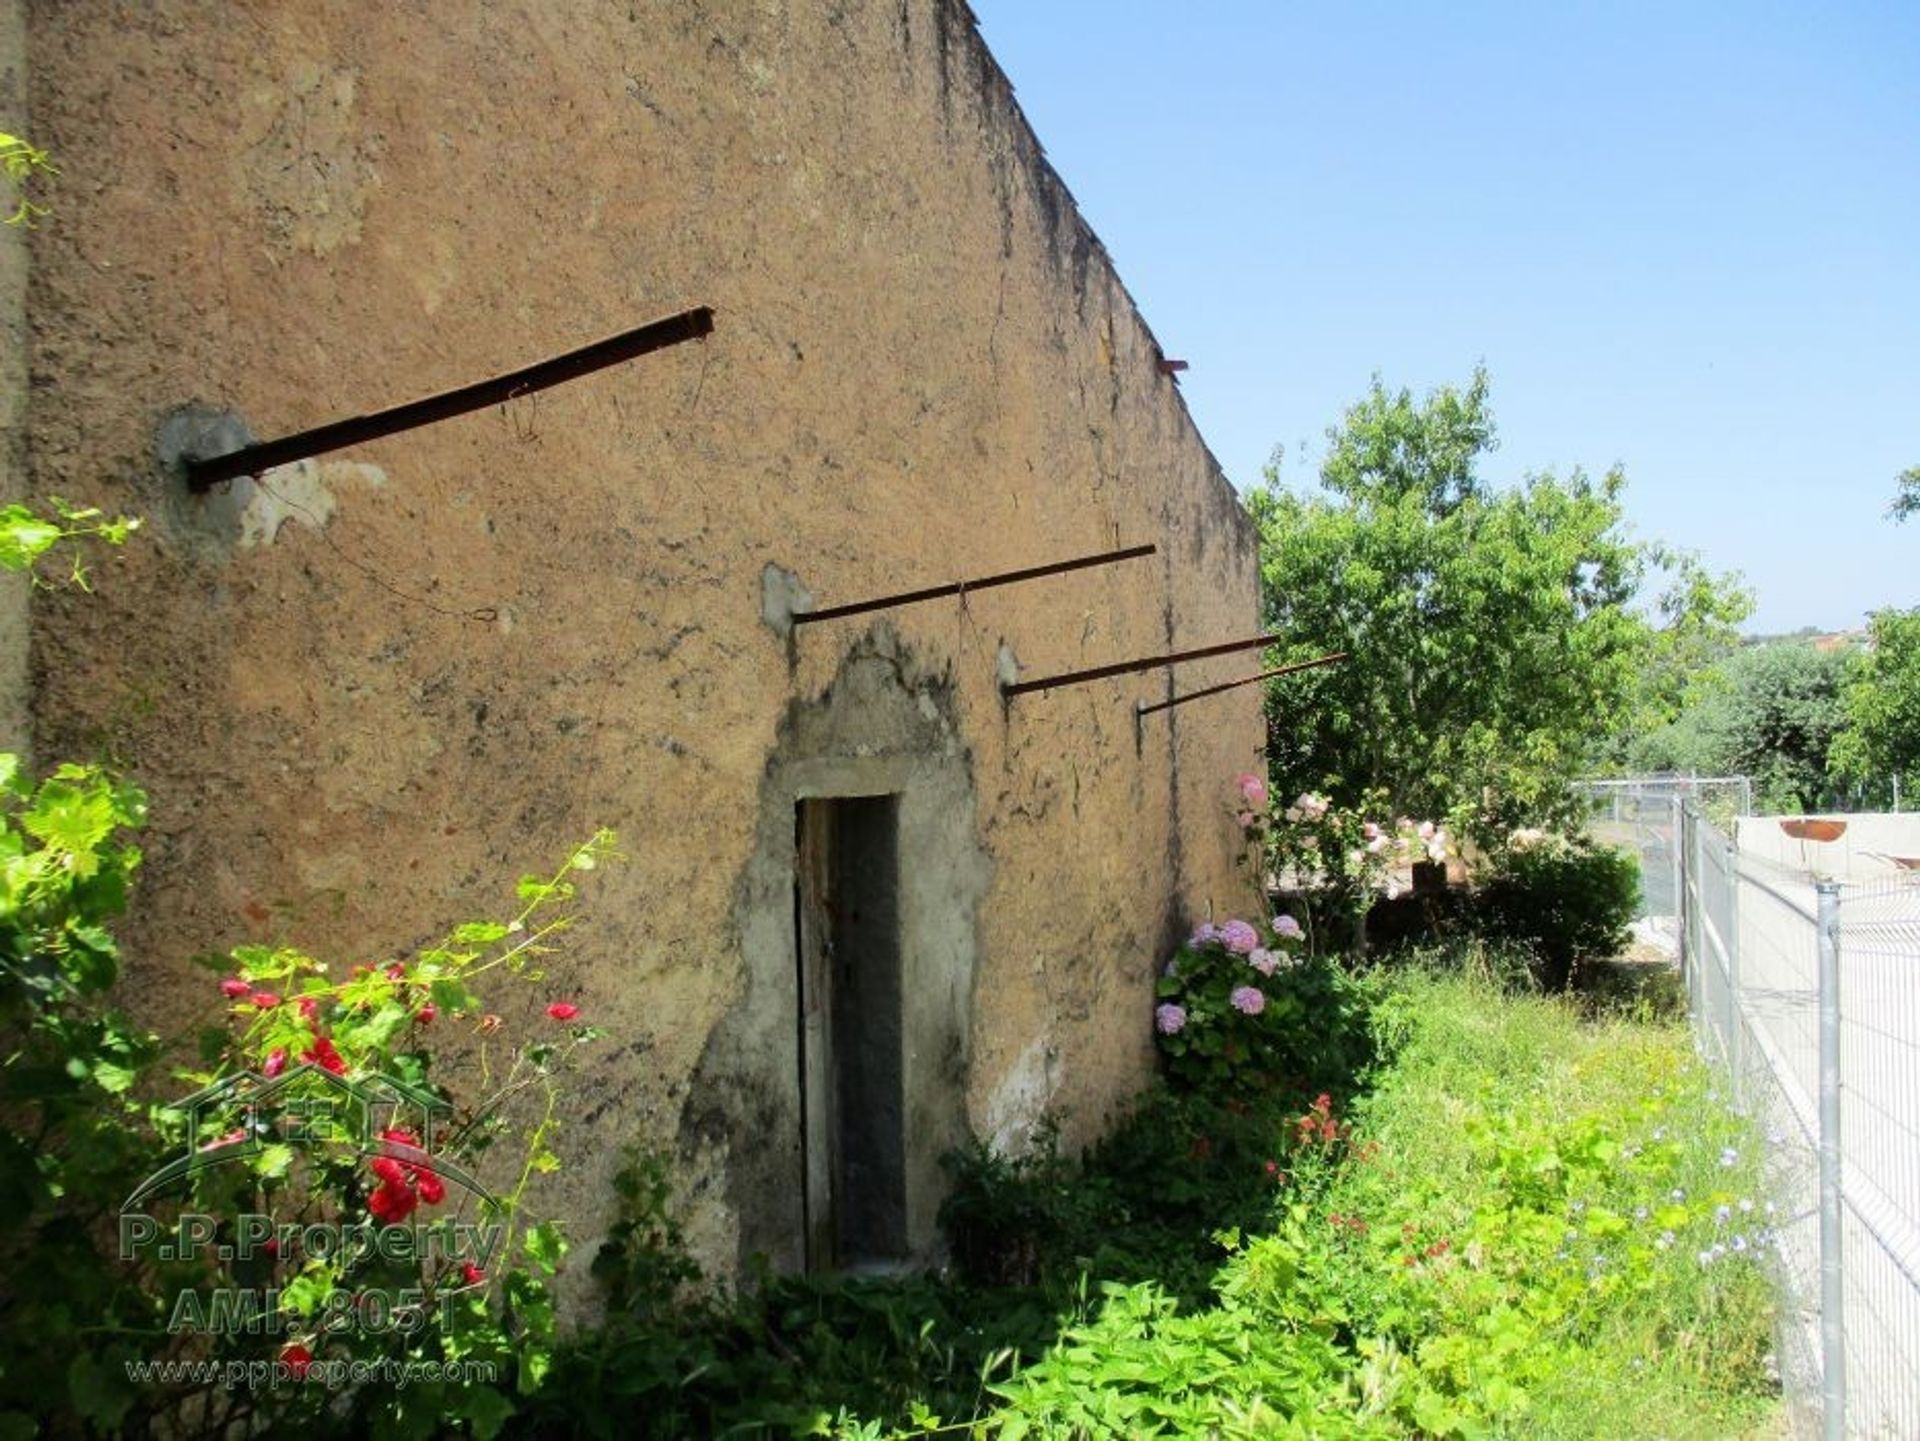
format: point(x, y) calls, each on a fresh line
point(368, 691)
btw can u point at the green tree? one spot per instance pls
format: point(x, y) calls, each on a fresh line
point(1491, 633)
point(1774, 713)
point(1881, 737)
point(1906, 496)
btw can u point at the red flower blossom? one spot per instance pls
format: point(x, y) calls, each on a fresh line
point(396, 972)
point(265, 1000)
point(309, 1008)
point(563, 1010)
point(322, 1054)
point(432, 1189)
point(389, 1171)
point(276, 1062)
point(234, 988)
point(299, 1361)
point(392, 1204)
point(426, 1013)
point(472, 1274)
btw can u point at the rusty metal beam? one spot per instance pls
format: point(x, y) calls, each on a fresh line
point(1128, 667)
point(204, 474)
point(1319, 660)
point(963, 587)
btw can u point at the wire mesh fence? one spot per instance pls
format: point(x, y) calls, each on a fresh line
point(1807, 990)
point(1639, 813)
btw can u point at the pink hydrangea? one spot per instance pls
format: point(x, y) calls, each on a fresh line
point(1253, 790)
point(1248, 1000)
point(1205, 935)
point(1169, 1019)
point(1264, 961)
point(1239, 937)
point(1287, 928)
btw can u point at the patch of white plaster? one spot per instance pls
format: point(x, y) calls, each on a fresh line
point(305, 492)
point(1020, 1101)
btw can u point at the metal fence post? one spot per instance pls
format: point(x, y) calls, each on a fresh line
point(1833, 1333)
point(1732, 939)
point(1680, 890)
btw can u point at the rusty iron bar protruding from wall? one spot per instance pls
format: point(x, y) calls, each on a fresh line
point(965, 587)
point(204, 474)
point(1319, 660)
point(1128, 667)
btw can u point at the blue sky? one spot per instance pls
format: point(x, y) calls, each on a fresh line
point(1683, 237)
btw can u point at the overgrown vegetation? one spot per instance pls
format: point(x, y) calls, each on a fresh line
point(1531, 1224)
point(209, 1264)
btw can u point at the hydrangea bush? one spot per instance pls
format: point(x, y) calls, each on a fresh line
point(1243, 1008)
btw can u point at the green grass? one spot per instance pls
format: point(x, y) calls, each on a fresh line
point(1508, 1243)
point(1499, 1234)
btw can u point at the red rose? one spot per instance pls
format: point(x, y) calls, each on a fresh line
point(392, 1204)
point(322, 1054)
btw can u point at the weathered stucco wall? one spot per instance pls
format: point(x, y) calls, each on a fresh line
point(433, 662)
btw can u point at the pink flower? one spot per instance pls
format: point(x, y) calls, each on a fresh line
point(426, 1013)
point(1239, 937)
point(563, 1010)
point(1169, 1019)
point(1264, 961)
point(234, 988)
point(1253, 790)
point(264, 1000)
point(1204, 935)
point(1287, 928)
point(1245, 819)
point(472, 1275)
point(1248, 1000)
point(276, 1062)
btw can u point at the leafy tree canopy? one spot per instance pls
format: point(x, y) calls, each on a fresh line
point(1492, 634)
point(1774, 713)
point(1881, 738)
point(1906, 497)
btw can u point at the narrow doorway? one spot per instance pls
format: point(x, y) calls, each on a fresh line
point(847, 929)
